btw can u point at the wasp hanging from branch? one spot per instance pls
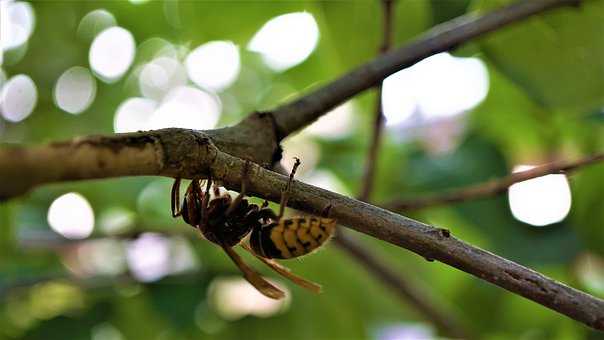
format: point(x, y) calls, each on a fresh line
point(226, 222)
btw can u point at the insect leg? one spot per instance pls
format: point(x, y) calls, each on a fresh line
point(264, 206)
point(205, 200)
point(235, 203)
point(253, 277)
point(285, 272)
point(266, 214)
point(176, 198)
point(285, 193)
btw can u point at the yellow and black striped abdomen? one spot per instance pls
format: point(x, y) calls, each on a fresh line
point(292, 237)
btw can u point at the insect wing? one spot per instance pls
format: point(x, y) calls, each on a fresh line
point(286, 272)
point(253, 277)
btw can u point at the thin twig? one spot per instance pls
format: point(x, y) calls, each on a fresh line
point(405, 289)
point(378, 123)
point(408, 291)
point(490, 188)
point(299, 113)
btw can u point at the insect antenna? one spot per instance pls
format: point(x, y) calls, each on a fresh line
point(285, 192)
point(263, 286)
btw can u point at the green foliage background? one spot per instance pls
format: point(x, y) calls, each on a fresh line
point(545, 100)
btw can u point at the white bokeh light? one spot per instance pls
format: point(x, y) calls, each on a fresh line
point(75, 90)
point(102, 257)
point(234, 298)
point(287, 40)
point(112, 53)
point(182, 256)
point(134, 115)
point(404, 331)
point(95, 22)
point(116, 220)
point(540, 201)
point(214, 65)
point(16, 23)
point(337, 123)
point(2, 80)
point(148, 257)
point(327, 180)
point(304, 148)
point(160, 76)
point(436, 87)
point(156, 47)
point(71, 216)
point(187, 107)
point(18, 98)
point(106, 331)
point(589, 268)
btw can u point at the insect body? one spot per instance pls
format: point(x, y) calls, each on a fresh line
point(292, 237)
point(226, 221)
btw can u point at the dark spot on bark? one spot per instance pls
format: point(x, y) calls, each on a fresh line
point(513, 275)
point(444, 232)
point(101, 164)
point(536, 283)
point(115, 143)
point(277, 155)
point(429, 259)
point(599, 324)
point(269, 115)
point(533, 282)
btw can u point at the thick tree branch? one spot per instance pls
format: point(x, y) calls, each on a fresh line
point(490, 188)
point(21, 168)
point(429, 242)
point(407, 291)
point(299, 113)
point(188, 154)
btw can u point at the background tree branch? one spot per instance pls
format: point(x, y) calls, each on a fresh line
point(297, 114)
point(408, 291)
point(378, 121)
point(491, 188)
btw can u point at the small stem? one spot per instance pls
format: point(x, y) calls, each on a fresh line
point(297, 114)
point(407, 290)
point(490, 188)
point(378, 123)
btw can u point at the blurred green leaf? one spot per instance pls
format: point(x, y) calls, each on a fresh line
point(557, 57)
